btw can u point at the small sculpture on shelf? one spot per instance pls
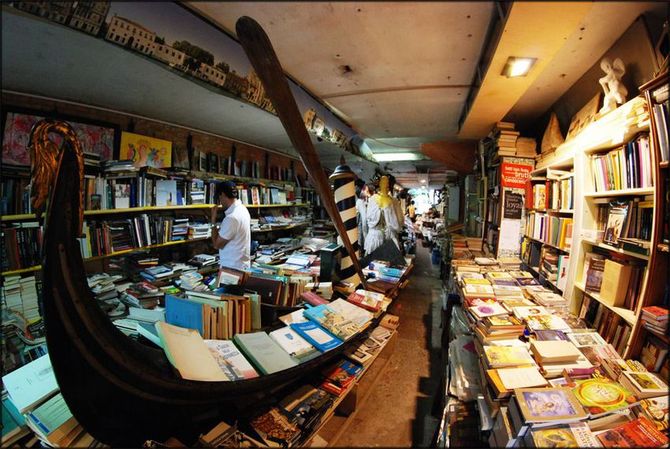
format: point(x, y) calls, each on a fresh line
point(615, 91)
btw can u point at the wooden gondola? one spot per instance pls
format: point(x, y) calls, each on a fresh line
point(121, 391)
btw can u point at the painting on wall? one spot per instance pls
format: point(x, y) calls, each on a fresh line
point(145, 151)
point(94, 138)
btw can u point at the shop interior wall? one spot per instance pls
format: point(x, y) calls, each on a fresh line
point(177, 135)
point(635, 47)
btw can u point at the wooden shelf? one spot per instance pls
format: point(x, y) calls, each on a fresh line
point(151, 209)
point(664, 164)
point(627, 315)
point(615, 249)
point(22, 271)
point(561, 211)
point(267, 206)
point(113, 254)
point(280, 228)
point(567, 251)
point(627, 192)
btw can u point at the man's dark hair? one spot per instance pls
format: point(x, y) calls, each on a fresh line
point(227, 188)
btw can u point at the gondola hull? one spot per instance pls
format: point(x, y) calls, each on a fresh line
point(121, 391)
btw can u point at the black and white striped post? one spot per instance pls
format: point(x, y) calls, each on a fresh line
point(345, 198)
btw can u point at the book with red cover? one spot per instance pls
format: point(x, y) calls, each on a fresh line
point(659, 313)
point(637, 433)
point(339, 377)
point(365, 301)
point(312, 298)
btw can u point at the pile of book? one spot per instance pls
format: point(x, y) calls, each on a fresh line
point(655, 319)
point(20, 295)
point(546, 376)
point(308, 332)
point(34, 410)
point(506, 137)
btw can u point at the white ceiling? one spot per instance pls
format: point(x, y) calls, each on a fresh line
point(412, 63)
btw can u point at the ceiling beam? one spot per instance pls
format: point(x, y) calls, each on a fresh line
point(458, 156)
point(532, 29)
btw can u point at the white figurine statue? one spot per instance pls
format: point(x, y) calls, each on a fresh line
point(381, 218)
point(615, 91)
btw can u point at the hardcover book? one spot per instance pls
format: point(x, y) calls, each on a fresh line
point(230, 360)
point(293, 343)
point(486, 310)
point(637, 433)
point(316, 336)
point(585, 339)
point(644, 384)
point(507, 356)
point(616, 221)
point(334, 322)
point(594, 266)
point(571, 435)
point(601, 396)
point(549, 405)
point(656, 410)
point(263, 352)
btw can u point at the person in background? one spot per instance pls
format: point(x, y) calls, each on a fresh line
point(411, 211)
point(233, 237)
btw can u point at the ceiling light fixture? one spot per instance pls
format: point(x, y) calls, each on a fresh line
point(423, 180)
point(515, 67)
point(388, 157)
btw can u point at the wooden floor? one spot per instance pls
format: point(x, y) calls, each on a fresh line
point(398, 410)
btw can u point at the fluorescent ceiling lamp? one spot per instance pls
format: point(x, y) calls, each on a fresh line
point(515, 67)
point(390, 157)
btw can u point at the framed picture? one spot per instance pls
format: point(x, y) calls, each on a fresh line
point(145, 151)
point(95, 137)
point(180, 157)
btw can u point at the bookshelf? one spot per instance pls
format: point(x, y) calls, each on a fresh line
point(112, 254)
point(658, 283)
point(616, 134)
point(549, 226)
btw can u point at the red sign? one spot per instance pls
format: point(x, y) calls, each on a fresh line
point(515, 175)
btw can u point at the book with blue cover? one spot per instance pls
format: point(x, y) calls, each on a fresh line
point(183, 313)
point(320, 338)
point(333, 321)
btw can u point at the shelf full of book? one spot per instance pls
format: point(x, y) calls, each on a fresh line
point(657, 292)
point(614, 223)
point(548, 232)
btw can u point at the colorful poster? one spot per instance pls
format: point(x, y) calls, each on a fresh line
point(515, 175)
point(146, 151)
point(93, 138)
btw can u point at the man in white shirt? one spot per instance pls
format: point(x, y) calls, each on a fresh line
point(233, 237)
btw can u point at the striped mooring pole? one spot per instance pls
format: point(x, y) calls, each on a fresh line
point(345, 198)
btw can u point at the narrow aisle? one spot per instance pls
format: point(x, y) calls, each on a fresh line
point(397, 413)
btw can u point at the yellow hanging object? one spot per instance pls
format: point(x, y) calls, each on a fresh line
point(383, 198)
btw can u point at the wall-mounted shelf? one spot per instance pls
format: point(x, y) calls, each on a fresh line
point(627, 315)
point(615, 249)
point(112, 254)
point(627, 192)
point(152, 209)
